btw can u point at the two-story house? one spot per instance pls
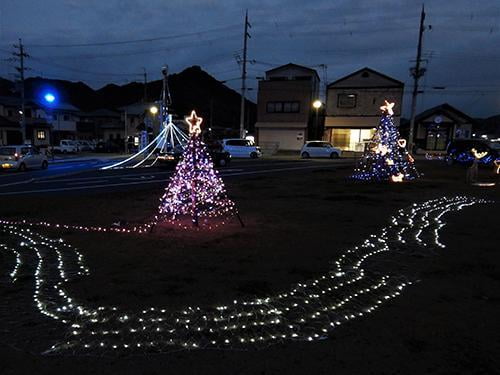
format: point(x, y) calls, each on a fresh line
point(63, 117)
point(10, 129)
point(102, 124)
point(37, 131)
point(353, 107)
point(284, 107)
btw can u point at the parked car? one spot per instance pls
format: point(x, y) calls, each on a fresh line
point(241, 148)
point(85, 146)
point(66, 146)
point(495, 145)
point(169, 158)
point(108, 146)
point(220, 157)
point(319, 149)
point(460, 151)
point(22, 157)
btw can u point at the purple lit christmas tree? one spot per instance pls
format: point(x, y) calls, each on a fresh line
point(195, 190)
point(386, 157)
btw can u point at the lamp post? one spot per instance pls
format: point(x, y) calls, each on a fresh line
point(49, 101)
point(317, 105)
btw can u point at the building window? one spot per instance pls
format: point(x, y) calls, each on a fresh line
point(283, 107)
point(9, 113)
point(346, 100)
point(40, 135)
point(65, 118)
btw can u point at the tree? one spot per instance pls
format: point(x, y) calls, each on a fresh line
point(196, 189)
point(386, 157)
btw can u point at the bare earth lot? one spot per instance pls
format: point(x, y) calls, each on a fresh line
point(296, 224)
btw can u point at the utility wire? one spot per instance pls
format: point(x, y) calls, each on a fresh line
point(147, 40)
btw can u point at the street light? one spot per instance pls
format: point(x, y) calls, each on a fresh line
point(49, 97)
point(317, 105)
point(153, 109)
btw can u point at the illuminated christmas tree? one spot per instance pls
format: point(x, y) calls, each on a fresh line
point(386, 157)
point(195, 190)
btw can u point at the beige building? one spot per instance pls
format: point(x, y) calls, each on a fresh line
point(353, 107)
point(284, 107)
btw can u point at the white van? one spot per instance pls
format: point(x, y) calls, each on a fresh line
point(241, 148)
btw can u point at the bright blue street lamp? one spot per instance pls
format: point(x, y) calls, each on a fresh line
point(49, 97)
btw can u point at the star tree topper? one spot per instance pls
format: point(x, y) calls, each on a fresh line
point(388, 108)
point(194, 123)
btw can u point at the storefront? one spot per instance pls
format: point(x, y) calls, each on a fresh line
point(349, 139)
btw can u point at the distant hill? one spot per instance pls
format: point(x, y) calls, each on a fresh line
point(190, 89)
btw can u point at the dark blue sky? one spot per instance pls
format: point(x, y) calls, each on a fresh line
point(462, 50)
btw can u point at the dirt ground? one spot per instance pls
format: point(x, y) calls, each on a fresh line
point(296, 224)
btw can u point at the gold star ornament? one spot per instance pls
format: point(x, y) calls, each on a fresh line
point(387, 108)
point(194, 123)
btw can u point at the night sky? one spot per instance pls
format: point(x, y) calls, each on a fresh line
point(462, 49)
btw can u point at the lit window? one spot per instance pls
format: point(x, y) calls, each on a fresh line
point(40, 135)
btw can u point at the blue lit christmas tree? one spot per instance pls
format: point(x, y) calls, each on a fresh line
point(386, 157)
point(196, 191)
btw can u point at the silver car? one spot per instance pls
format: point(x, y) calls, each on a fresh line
point(21, 158)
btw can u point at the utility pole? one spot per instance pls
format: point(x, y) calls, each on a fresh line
point(416, 72)
point(165, 95)
point(246, 35)
point(20, 55)
point(145, 74)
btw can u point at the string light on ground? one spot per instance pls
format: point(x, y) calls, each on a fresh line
point(307, 311)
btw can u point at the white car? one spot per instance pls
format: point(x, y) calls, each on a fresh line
point(241, 148)
point(66, 146)
point(21, 158)
point(85, 146)
point(320, 149)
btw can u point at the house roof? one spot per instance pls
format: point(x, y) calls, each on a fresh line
point(14, 101)
point(369, 70)
point(136, 108)
point(445, 109)
point(59, 106)
point(292, 65)
point(103, 112)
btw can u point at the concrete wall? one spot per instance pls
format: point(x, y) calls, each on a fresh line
point(284, 139)
point(285, 91)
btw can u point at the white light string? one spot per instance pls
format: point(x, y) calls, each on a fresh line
point(308, 311)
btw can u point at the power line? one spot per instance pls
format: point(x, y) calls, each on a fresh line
point(50, 62)
point(131, 41)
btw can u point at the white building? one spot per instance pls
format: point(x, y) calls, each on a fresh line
point(353, 107)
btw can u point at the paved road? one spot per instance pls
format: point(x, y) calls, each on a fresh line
point(86, 177)
point(55, 169)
